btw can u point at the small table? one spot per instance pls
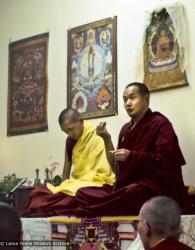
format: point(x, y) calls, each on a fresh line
point(20, 197)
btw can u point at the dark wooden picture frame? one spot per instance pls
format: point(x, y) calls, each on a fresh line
point(92, 68)
point(27, 87)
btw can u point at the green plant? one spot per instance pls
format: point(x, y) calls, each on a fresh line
point(8, 183)
point(56, 180)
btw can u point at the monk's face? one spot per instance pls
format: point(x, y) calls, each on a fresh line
point(144, 229)
point(144, 233)
point(74, 129)
point(135, 104)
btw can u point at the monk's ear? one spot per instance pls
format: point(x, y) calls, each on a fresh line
point(147, 229)
point(147, 98)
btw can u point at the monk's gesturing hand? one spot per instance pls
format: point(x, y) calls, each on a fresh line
point(102, 131)
point(120, 154)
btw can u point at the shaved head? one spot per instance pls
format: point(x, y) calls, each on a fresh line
point(162, 215)
point(69, 114)
point(71, 123)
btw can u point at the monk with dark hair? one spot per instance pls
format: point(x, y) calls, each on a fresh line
point(10, 227)
point(159, 224)
point(147, 163)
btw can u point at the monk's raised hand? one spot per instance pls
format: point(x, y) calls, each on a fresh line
point(120, 154)
point(102, 131)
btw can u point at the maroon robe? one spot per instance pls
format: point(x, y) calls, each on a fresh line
point(152, 168)
point(171, 244)
point(155, 158)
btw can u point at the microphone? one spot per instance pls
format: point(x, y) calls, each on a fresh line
point(16, 187)
point(19, 184)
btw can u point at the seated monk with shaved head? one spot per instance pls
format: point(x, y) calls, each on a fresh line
point(159, 224)
point(85, 166)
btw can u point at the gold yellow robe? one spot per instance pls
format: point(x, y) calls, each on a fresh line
point(90, 165)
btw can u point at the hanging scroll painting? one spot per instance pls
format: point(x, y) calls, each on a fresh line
point(92, 71)
point(27, 97)
point(162, 55)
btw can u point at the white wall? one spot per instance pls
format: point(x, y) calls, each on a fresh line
point(24, 18)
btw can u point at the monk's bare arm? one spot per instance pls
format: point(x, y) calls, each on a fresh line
point(67, 167)
point(109, 148)
point(102, 132)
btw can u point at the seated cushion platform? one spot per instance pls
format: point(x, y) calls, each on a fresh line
point(103, 233)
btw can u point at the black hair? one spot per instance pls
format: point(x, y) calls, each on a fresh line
point(10, 223)
point(143, 89)
point(69, 113)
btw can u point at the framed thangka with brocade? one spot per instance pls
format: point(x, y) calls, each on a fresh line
point(27, 98)
point(92, 68)
point(163, 57)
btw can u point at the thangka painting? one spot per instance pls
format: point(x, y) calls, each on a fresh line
point(27, 99)
point(92, 68)
point(162, 55)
